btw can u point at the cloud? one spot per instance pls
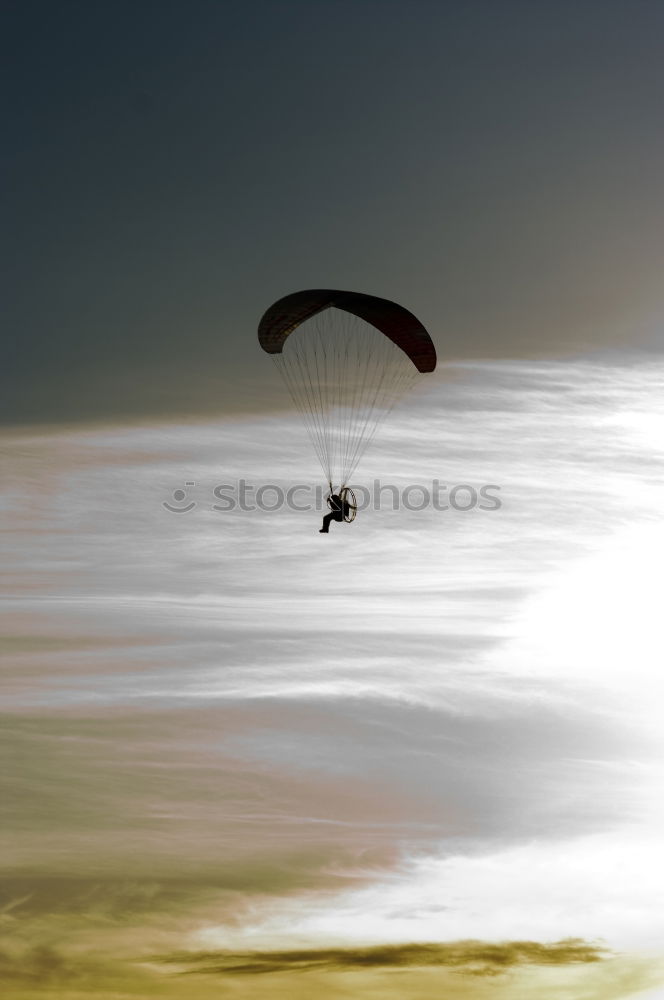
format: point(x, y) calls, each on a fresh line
point(45, 968)
point(475, 958)
point(104, 939)
point(219, 702)
point(305, 779)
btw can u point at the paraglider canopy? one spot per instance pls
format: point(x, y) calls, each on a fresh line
point(346, 359)
point(397, 323)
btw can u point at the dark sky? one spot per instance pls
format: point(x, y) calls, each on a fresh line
point(170, 168)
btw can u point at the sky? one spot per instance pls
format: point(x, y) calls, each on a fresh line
point(170, 169)
point(421, 756)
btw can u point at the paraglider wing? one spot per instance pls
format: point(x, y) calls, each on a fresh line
point(346, 359)
point(397, 323)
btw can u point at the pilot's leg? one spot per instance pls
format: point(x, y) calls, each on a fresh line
point(326, 523)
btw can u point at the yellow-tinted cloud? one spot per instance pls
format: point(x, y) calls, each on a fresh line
point(133, 941)
point(476, 958)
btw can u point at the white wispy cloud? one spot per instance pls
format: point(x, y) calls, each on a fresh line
point(452, 684)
